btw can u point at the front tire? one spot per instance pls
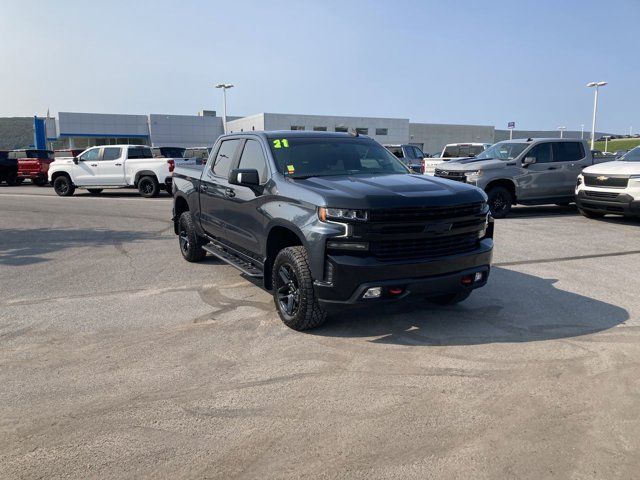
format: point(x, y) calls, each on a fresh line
point(293, 291)
point(450, 298)
point(148, 187)
point(190, 242)
point(95, 191)
point(590, 214)
point(500, 201)
point(63, 186)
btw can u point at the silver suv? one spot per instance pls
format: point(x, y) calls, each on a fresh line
point(530, 172)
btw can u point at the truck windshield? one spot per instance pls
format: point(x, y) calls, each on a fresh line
point(300, 157)
point(632, 155)
point(503, 151)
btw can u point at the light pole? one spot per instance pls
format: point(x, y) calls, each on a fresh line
point(597, 85)
point(562, 129)
point(606, 142)
point(582, 131)
point(224, 87)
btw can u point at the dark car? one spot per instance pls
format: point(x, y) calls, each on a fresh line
point(33, 164)
point(410, 155)
point(8, 168)
point(168, 152)
point(329, 220)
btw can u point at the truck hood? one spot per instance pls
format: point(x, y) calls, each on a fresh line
point(614, 168)
point(473, 164)
point(390, 191)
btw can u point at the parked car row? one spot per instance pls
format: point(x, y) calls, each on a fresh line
point(528, 172)
point(96, 168)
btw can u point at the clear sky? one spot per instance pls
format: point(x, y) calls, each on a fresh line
point(480, 62)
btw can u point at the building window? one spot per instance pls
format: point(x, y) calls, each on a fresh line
point(297, 127)
point(382, 131)
point(362, 131)
point(341, 129)
point(319, 129)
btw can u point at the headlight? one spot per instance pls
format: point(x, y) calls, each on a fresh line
point(579, 181)
point(634, 177)
point(342, 214)
point(474, 174)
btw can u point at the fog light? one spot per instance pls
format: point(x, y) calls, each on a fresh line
point(467, 279)
point(373, 292)
point(478, 277)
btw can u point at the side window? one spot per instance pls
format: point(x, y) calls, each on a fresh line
point(419, 153)
point(567, 151)
point(90, 155)
point(224, 158)
point(110, 153)
point(253, 157)
point(542, 153)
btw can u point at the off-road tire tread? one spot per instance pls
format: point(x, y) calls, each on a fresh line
point(196, 252)
point(314, 315)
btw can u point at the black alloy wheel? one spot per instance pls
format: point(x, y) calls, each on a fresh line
point(288, 290)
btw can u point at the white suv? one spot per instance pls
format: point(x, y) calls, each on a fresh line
point(451, 153)
point(112, 166)
point(612, 187)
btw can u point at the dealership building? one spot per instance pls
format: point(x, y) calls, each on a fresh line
point(81, 130)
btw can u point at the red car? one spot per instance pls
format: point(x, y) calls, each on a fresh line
point(33, 164)
point(67, 152)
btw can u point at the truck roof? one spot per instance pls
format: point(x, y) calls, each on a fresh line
point(293, 133)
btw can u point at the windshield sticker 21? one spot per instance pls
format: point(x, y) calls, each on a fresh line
point(281, 143)
point(291, 169)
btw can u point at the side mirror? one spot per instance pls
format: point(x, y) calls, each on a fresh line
point(528, 161)
point(246, 177)
point(76, 160)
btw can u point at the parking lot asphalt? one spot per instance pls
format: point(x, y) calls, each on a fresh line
point(120, 360)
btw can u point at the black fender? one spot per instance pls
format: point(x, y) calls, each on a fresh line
point(144, 173)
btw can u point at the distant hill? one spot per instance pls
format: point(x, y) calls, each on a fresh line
point(16, 132)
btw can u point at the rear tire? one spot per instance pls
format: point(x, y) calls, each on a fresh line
point(500, 201)
point(293, 291)
point(190, 242)
point(450, 298)
point(12, 179)
point(148, 187)
point(590, 214)
point(63, 186)
point(95, 191)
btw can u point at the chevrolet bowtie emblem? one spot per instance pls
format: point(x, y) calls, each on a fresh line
point(602, 178)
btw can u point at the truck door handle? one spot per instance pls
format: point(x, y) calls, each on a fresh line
point(94, 164)
point(552, 168)
point(229, 193)
point(118, 164)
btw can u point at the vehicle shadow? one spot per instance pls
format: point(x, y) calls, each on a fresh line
point(541, 211)
point(513, 307)
point(26, 247)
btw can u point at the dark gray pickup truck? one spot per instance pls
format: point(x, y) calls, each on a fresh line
point(331, 219)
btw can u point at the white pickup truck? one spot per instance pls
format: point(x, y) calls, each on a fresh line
point(453, 152)
point(112, 166)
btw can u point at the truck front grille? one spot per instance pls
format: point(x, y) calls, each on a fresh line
point(425, 248)
point(419, 214)
point(610, 181)
point(449, 175)
point(597, 194)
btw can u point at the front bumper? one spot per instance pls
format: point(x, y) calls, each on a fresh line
point(351, 276)
point(623, 204)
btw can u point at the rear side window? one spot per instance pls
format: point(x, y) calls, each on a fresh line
point(140, 152)
point(397, 151)
point(542, 153)
point(224, 158)
point(17, 154)
point(419, 153)
point(111, 153)
point(567, 151)
point(253, 157)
